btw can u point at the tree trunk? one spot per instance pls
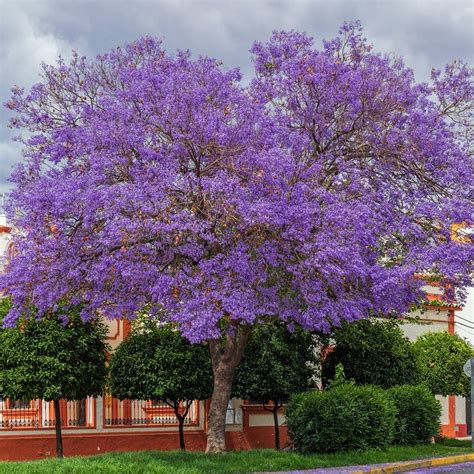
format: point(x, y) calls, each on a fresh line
point(274, 410)
point(225, 355)
point(223, 376)
point(57, 424)
point(181, 417)
point(182, 446)
point(276, 407)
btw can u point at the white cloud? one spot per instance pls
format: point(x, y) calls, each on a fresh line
point(23, 46)
point(9, 156)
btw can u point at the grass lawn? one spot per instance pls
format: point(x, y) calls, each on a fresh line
point(170, 462)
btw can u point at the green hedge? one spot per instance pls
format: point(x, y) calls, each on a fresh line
point(346, 417)
point(418, 414)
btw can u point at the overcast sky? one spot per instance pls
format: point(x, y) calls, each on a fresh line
point(425, 33)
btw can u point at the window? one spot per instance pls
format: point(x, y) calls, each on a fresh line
point(20, 404)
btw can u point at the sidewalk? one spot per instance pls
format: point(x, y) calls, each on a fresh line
point(387, 468)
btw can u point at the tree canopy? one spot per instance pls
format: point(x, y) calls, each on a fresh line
point(276, 363)
point(374, 352)
point(314, 194)
point(441, 357)
point(154, 178)
point(56, 357)
point(159, 363)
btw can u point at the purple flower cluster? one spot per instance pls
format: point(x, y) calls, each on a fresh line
point(157, 182)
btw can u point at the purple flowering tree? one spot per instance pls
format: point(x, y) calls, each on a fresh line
point(156, 181)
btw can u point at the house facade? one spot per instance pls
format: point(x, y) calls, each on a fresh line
point(103, 424)
point(437, 317)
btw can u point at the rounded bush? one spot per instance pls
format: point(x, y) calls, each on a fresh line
point(347, 417)
point(418, 414)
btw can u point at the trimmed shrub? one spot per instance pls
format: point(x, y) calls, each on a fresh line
point(418, 414)
point(347, 417)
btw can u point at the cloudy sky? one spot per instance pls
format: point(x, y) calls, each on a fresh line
point(426, 33)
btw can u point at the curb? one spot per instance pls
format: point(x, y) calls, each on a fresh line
point(410, 465)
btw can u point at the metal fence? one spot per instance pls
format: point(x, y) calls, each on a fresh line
point(144, 413)
point(38, 414)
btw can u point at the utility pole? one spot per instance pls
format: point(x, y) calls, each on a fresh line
point(469, 370)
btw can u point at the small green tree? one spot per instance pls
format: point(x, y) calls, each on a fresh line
point(54, 358)
point(339, 378)
point(372, 351)
point(441, 357)
point(158, 363)
point(276, 364)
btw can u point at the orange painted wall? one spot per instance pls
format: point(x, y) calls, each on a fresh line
point(452, 429)
point(260, 436)
point(20, 448)
point(41, 446)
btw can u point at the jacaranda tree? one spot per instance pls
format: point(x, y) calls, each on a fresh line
point(314, 194)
